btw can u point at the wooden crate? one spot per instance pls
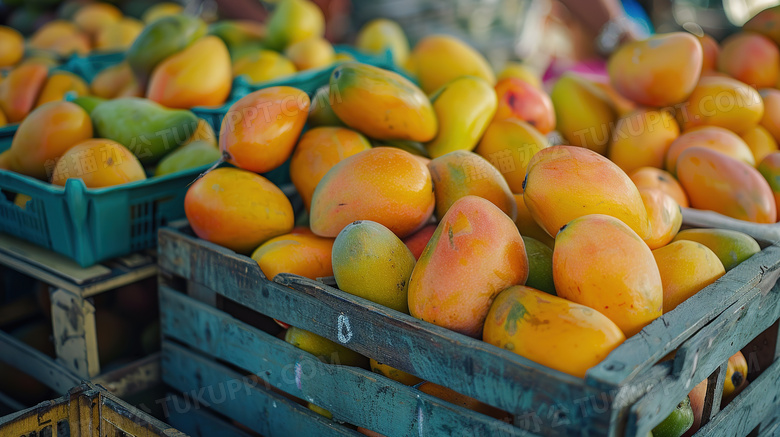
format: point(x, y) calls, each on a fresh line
point(763, 233)
point(627, 394)
point(86, 410)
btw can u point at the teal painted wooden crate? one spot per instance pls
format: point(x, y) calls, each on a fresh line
point(627, 394)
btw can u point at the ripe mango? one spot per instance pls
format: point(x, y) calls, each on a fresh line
point(566, 182)
point(381, 35)
point(622, 105)
point(601, 263)
point(304, 255)
point(583, 113)
point(293, 21)
point(418, 240)
point(659, 71)
point(551, 331)
point(710, 51)
point(663, 215)
point(238, 33)
point(751, 58)
point(199, 75)
point(321, 112)
point(475, 253)
point(766, 22)
point(528, 226)
point(318, 150)
point(98, 163)
point(724, 102)
point(461, 173)
point(717, 182)
point(263, 65)
point(93, 17)
point(771, 118)
point(325, 350)
point(61, 37)
point(731, 247)
point(262, 140)
point(205, 133)
point(11, 46)
point(147, 128)
point(311, 53)
point(237, 209)
point(523, 101)
point(381, 104)
point(642, 138)
point(509, 145)
point(520, 71)
point(60, 83)
point(393, 373)
point(760, 142)
point(119, 36)
point(540, 270)
point(438, 59)
point(159, 10)
point(20, 89)
point(686, 267)
point(110, 81)
point(769, 168)
point(160, 40)
point(383, 184)
point(713, 138)
point(190, 155)
point(45, 135)
point(369, 261)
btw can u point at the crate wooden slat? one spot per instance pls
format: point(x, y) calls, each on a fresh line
point(199, 422)
point(21, 356)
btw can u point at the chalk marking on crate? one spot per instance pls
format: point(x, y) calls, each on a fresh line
point(343, 324)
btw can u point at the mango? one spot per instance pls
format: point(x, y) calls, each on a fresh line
point(52, 34)
point(509, 145)
point(475, 253)
point(321, 112)
point(713, 138)
point(293, 21)
point(381, 104)
point(59, 84)
point(88, 103)
point(528, 226)
point(731, 247)
point(520, 71)
point(751, 58)
point(381, 35)
point(696, 397)
point(642, 138)
point(261, 141)
point(369, 261)
point(540, 276)
point(710, 52)
point(659, 71)
point(766, 22)
point(566, 182)
point(311, 53)
point(584, 114)
point(677, 422)
point(98, 163)
point(724, 102)
point(664, 217)
point(524, 101)
point(45, 135)
point(188, 156)
point(119, 36)
point(601, 263)
point(238, 33)
point(438, 59)
point(237, 209)
point(719, 183)
point(325, 350)
point(319, 410)
point(686, 268)
point(199, 75)
point(304, 255)
point(771, 118)
point(11, 46)
point(383, 184)
point(760, 142)
point(655, 178)
point(318, 150)
point(621, 104)
point(161, 39)
point(736, 376)
point(93, 17)
point(159, 10)
point(147, 128)
point(20, 89)
point(263, 65)
point(418, 240)
point(464, 108)
point(3, 120)
point(463, 401)
point(393, 373)
point(110, 81)
point(551, 331)
point(205, 133)
point(769, 167)
point(461, 173)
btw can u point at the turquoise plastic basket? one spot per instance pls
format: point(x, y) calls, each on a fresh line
point(87, 67)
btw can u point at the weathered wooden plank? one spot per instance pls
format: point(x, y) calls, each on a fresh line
point(115, 414)
point(75, 336)
point(199, 422)
point(259, 409)
point(353, 395)
point(763, 233)
point(667, 333)
point(758, 401)
point(551, 399)
point(706, 351)
point(132, 378)
point(714, 394)
point(33, 362)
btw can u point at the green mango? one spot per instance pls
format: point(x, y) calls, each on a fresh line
point(146, 128)
point(676, 423)
point(540, 269)
point(88, 103)
point(237, 34)
point(293, 21)
point(320, 111)
point(161, 39)
point(192, 155)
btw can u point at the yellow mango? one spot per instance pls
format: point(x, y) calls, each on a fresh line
point(584, 114)
point(686, 267)
point(293, 21)
point(439, 59)
point(528, 226)
point(509, 145)
point(731, 247)
point(310, 53)
point(464, 107)
point(724, 102)
point(118, 36)
point(642, 138)
point(393, 373)
point(380, 35)
point(60, 83)
point(713, 138)
point(304, 255)
point(663, 215)
point(11, 46)
point(760, 142)
point(655, 178)
point(520, 71)
point(263, 65)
